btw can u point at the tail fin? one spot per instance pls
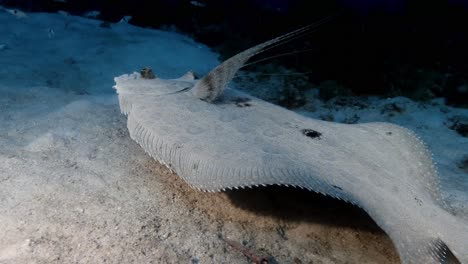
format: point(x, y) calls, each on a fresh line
point(446, 242)
point(453, 239)
point(210, 87)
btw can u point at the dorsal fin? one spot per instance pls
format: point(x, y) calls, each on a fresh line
point(210, 87)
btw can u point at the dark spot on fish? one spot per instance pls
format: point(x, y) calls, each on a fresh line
point(336, 187)
point(241, 102)
point(311, 133)
point(389, 133)
point(418, 201)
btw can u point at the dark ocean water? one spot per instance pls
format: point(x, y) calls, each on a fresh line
point(412, 48)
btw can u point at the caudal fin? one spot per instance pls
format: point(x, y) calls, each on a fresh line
point(453, 239)
point(210, 87)
point(446, 242)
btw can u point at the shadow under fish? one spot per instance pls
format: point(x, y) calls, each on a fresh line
point(218, 139)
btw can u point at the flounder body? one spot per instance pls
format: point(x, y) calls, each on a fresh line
point(217, 139)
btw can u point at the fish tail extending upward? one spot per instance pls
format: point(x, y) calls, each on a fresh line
point(210, 87)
